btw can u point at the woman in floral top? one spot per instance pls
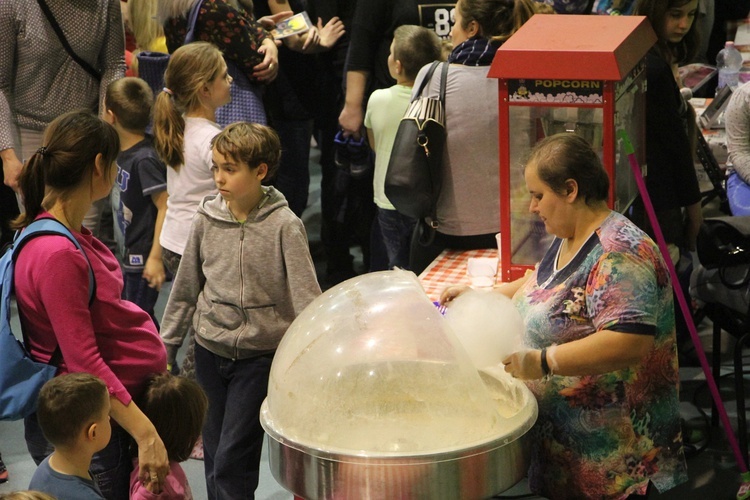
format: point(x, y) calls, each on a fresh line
point(241, 39)
point(600, 351)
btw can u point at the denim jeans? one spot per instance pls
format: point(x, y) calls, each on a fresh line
point(738, 193)
point(137, 291)
point(395, 232)
point(232, 434)
point(110, 467)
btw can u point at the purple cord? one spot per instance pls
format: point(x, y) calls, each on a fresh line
point(683, 302)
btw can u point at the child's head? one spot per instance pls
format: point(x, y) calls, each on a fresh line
point(412, 48)
point(674, 24)
point(251, 145)
point(196, 77)
point(74, 408)
point(493, 19)
point(143, 23)
point(78, 146)
point(129, 100)
point(177, 408)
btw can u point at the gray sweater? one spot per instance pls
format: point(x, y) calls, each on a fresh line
point(240, 284)
point(38, 79)
point(737, 119)
point(469, 202)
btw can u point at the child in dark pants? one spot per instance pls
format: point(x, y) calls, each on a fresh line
point(246, 273)
point(139, 196)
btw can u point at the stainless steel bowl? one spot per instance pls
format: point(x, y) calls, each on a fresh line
point(476, 471)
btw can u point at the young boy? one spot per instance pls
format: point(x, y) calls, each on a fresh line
point(139, 197)
point(245, 274)
point(412, 48)
point(73, 412)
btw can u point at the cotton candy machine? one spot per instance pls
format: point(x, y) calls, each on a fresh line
point(372, 396)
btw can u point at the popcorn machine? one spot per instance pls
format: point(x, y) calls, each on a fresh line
point(584, 74)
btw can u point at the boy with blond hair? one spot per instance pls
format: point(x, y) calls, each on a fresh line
point(73, 412)
point(412, 48)
point(139, 196)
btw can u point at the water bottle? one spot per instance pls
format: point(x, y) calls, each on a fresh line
point(729, 62)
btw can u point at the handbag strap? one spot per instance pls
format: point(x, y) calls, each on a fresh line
point(192, 20)
point(64, 41)
point(443, 80)
point(428, 77)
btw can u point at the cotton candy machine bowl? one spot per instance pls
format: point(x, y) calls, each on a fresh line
point(371, 395)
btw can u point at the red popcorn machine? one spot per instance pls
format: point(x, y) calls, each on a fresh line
point(584, 74)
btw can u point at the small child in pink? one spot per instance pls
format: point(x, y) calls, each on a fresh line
point(177, 408)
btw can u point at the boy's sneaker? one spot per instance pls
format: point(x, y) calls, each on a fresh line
point(352, 155)
point(3, 471)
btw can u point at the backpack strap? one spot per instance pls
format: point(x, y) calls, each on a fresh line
point(49, 226)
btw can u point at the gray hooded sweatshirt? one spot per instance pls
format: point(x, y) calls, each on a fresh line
point(241, 284)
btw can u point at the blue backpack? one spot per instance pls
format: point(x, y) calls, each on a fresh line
point(21, 378)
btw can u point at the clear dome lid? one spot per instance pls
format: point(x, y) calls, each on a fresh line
point(371, 366)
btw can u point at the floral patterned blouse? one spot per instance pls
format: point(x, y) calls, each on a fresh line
point(235, 32)
point(605, 436)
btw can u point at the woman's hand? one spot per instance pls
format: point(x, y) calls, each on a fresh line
point(452, 292)
point(152, 456)
point(153, 462)
point(12, 167)
point(268, 69)
point(525, 364)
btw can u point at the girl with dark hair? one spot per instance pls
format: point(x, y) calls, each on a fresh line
point(670, 126)
point(177, 406)
point(107, 336)
point(599, 341)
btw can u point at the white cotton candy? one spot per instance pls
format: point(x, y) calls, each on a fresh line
point(487, 324)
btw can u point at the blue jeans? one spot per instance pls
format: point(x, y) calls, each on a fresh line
point(738, 193)
point(395, 232)
point(137, 291)
point(110, 467)
point(232, 434)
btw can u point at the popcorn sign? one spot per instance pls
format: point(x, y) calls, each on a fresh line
point(557, 91)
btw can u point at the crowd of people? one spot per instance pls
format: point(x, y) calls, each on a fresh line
point(205, 186)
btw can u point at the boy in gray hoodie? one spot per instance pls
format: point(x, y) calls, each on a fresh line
point(246, 273)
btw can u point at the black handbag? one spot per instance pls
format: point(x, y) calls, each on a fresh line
point(724, 243)
point(414, 175)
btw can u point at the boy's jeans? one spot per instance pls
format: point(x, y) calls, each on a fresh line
point(396, 230)
point(137, 291)
point(232, 434)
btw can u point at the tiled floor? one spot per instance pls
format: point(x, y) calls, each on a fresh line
point(713, 471)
